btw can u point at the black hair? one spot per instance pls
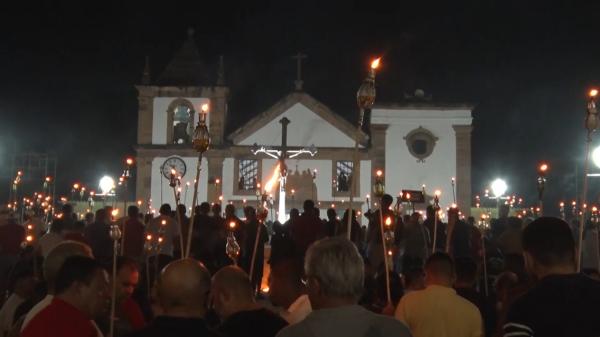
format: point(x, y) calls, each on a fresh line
point(549, 241)
point(133, 211)
point(441, 263)
point(386, 200)
point(165, 209)
point(308, 205)
point(76, 269)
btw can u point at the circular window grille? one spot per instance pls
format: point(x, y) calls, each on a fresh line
point(420, 143)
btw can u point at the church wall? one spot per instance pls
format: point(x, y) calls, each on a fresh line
point(403, 170)
point(306, 128)
point(167, 191)
point(160, 117)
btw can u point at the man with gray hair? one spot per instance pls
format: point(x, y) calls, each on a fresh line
point(335, 273)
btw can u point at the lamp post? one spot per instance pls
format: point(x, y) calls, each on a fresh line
point(365, 98)
point(541, 182)
point(591, 124)
point(499, 187)
point(200, 143)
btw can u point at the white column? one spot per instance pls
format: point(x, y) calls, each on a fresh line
point(281, 217)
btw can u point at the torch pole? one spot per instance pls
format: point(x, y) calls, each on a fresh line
point(194, 201)
point(385, 254)
point(353, 180)
point(583, 200)
point(179, 222)
point(254, 251)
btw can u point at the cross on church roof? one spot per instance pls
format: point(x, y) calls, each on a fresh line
point(298, 82)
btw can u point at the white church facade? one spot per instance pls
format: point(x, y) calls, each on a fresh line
point(415, 144)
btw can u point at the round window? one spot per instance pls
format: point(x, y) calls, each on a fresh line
point(420, 143)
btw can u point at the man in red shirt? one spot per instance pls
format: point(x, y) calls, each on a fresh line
point(82, 294)
point(129, 315)
point(133, 234)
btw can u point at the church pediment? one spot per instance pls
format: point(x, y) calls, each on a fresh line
point(311, 123)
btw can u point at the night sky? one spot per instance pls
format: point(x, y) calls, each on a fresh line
point(68, 73)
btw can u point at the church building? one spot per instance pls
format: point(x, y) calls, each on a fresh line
point(416, 144)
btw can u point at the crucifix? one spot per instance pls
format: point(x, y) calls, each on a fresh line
point(298, 82)
point(281, 153)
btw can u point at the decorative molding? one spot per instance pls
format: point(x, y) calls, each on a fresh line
point(421, 134)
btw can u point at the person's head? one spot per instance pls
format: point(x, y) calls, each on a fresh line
point(414, 279)
point(345, 217)
point(548, 247)
point(430, 212)
point(83, 283)
point(294, 213)
point(216, 209)
point(415, 218)
point(439, 270)
point(78, 227)
point(466, 272)
point(504, 210)
point(182, 210)
point(57, 226)
point(308, 206)
point(128, 277)
point(89, 218)
point(285, 281)
point(386, 201)
point(335, 273)
point(102, 215)
point(57, 256)
point(183, 289)
point(231, 291)
point(204, 208)
point(331, 214)
point(230, 211)
point(132, 212)
point(165, 210)
point(471, 220)
point(249, 213)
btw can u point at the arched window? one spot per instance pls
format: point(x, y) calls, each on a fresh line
point(420, 143)
point(182, 122)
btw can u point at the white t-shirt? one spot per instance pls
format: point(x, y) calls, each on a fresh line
point(297, 310)
point(171, 231)
point(7, 313)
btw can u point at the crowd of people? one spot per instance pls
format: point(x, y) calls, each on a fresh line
point(519, 278)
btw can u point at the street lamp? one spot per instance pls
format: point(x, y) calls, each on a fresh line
point(541, 184)
point(107, 184)
point(591, 124)
point(499, 187)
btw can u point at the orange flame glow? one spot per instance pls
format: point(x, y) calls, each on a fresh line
point(375, 63)
point(388, 221)
point(271, 182)
point(593, 92)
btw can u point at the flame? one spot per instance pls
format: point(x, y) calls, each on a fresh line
point(115, 212)
point(379, 173)
point(375, 63)
point(593, 93)
point(232, 225)
point(438, 193)
point(149, 237)
point(544, 167)
point(388, 221)
point(29, 238)
point(163, 222)
point(204, 108)
point(271, 182)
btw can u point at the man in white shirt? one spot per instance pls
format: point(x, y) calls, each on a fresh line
point(169, 227)
point(287, 291)
point(22, 284)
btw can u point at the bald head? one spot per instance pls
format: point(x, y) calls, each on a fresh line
point(57, 256)
point(235, 281)
point(183, 288)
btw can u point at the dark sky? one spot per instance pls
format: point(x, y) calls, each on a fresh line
point(68, 71)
